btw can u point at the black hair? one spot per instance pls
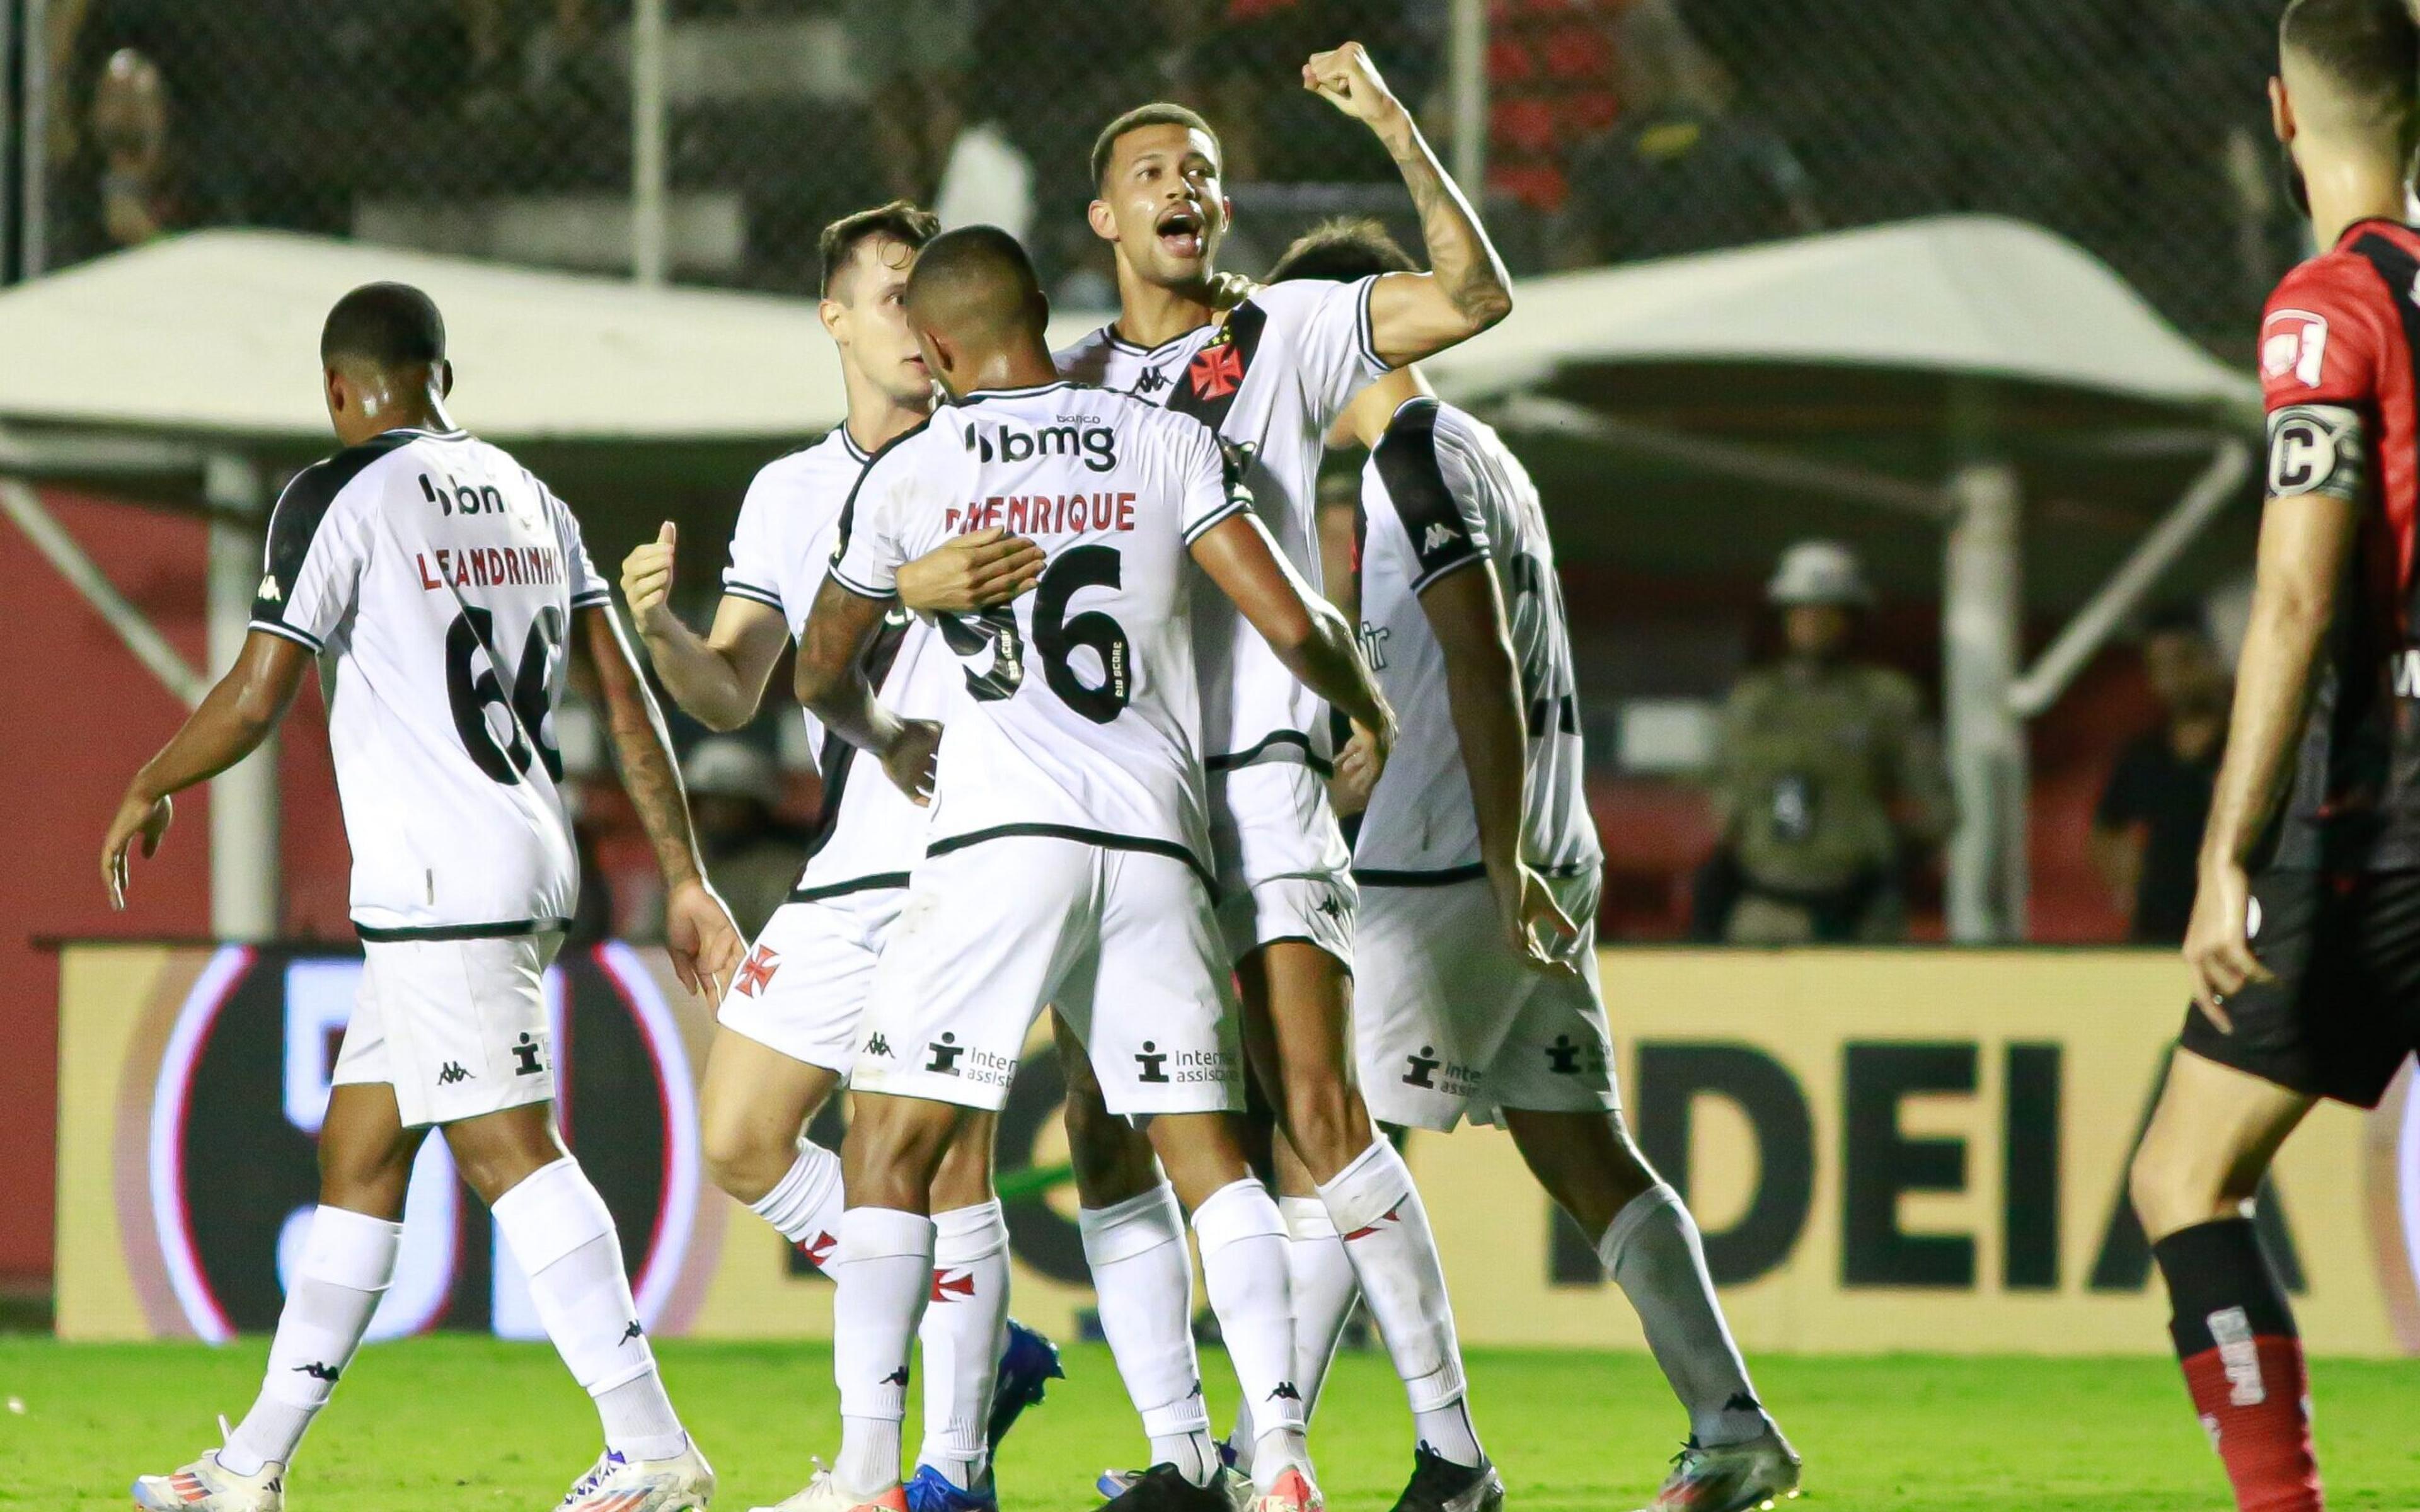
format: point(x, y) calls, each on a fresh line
point(1158, 113)
point(388, 325)
point(1342, 249)
point(909, 224)
point(976, 278)
point(2371, 48)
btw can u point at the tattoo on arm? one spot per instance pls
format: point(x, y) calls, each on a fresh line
point(1461, 257)
point(641, 748)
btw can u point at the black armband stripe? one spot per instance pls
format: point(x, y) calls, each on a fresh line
point(1217, 518)
point(752, 592)
point(300, 637)
point(1365, 326)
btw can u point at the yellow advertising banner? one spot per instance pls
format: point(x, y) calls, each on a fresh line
point(1909, 1150)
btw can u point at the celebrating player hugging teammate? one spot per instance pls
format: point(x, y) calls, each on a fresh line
point(1270, 375)
point(790, 1021)
point(1067, 861)
point(441, 630)
point(1477, 992)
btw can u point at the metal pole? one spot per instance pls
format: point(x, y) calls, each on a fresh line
point(2133, 580)
point(34, 103)
point(647, 169)
point(243, 798)
point(1981, 602)
point(10, 130)
point(19, 501)
point(1467, 66)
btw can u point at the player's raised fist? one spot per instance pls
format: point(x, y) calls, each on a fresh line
point(647, 578)
point(1345, 78)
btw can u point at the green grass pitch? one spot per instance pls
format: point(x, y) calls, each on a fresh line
point(461, 1423)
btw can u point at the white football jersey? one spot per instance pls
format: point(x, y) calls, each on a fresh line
point(435, 578)
point(1270, 377)
point(1083, 718)
point(1440, 493)
point(868, 834)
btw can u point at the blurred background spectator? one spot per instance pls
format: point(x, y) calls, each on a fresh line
point(1684, 167)
point(752, 856)
point(2147, 830)
point(1827, 781)
point(130, 129)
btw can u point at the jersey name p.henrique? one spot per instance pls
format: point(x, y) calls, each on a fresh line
point(1441, 493)
point(435, 578)
point(2337, 369)
point(1270, 377)
point(1083, 718)
point(868, 834)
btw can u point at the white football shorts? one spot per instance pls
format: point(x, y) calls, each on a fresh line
point(801, 990)
point(1449, 1022)
point(1000, 929)
point(1284, 871)
point(458, 1027)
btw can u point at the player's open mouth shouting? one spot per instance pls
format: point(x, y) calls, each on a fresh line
point(1182, 230)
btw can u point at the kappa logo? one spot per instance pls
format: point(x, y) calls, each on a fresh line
point(948, 1287)
point(756, 972)
point(1216, 371)
point(879, 1046)
point(451, 1073)
point(1285, 1393)
point(525, 1057)
point(1437, 536)
point(318, 1371)
point(1332, 907)
point(269, 593)
point(1152, 381)
point(631, 1331)
point(946, 1051)
point(1422, 1068)
point(1154, 1062)
point(897, 1377)
point(1563, 1056)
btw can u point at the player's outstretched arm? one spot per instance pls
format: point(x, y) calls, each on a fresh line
point(1466, 611)
point(1313, 640)
point(718, 677)
point(1466, 289)
point(2304, 542)
point(234, 718)
point(832, 685)
point(703, 941)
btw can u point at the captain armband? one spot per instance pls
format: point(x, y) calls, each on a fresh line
point(2318, 448)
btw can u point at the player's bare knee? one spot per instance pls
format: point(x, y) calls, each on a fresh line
point(746, 1160)
point(964, 1179)
point(2173, 1187)
point(1112, 1162)
point(894, 1149)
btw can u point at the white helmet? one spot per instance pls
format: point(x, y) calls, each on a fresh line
point(1819, 572)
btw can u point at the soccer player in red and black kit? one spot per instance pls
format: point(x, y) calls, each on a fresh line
point(2305, 941)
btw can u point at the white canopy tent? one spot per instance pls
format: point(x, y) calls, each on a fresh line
point(192, 357)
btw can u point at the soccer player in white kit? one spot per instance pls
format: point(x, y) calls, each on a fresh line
point(789, 1023)
point(441, 587)
point(1478, 994)
point(1067, 862)
point(1270, 375)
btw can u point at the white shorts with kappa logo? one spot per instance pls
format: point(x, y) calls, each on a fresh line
point(802, 987)
point(1121, 942)
point(458, 1027)
point(1448, 1023)
point(1284, 871)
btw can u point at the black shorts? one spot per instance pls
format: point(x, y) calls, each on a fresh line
point(2345, 1009)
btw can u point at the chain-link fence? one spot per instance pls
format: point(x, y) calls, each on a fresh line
point(1616, 129)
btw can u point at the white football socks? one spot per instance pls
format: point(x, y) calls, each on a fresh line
point(1321, 1277)
point(882, 1276)
point(1652, 1252)
point(805, 1204)
point(348, 1262)
point(563, 1238)
point(1386, 1233)
point(1142, 1276)
point(1244, 1267)
point(964, 1331)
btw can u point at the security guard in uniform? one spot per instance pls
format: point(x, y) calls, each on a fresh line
point(1827, 772)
